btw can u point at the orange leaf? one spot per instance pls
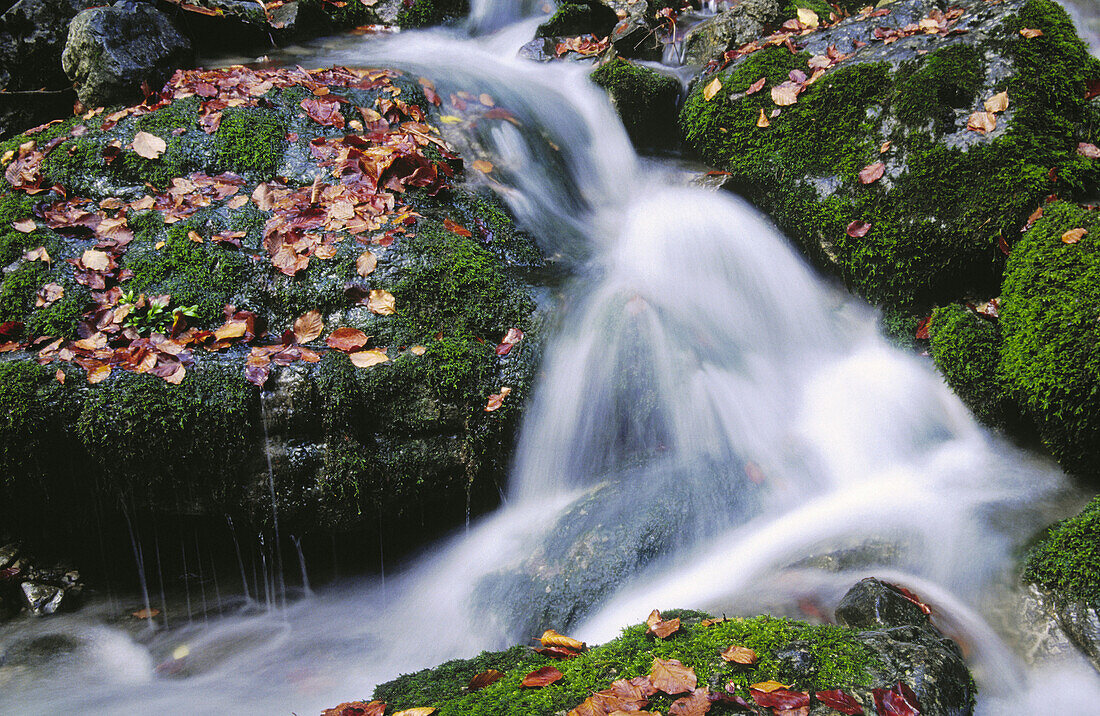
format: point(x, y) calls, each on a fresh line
point(740, 655)
point(99, 373)
point(146, 613)
point(660, 628)
point(148, 145)
point(768, 686)
point(485, 678)
point(347, 339)
point(997, 103)
point(496, 400)
point(418, 350)
point(1073, 236)
point(382, 302)
point(551, 637)
point(541, 677)
point(762, 120)
point(365, 264)
point(231, 329)
point(1031, 33)
point(712, 89)
point(308, 326)
point(357, 708)
point(418, 711)
point(756, 86)
point(365, 359)
point(695, 704)
point(671, 676)
point(483, 166)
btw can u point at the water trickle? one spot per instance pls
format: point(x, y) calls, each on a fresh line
point(278, 579)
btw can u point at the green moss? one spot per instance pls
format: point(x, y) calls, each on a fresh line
point(60, 319)
point(579, 18)
point(250, 141)
point(424, 13)
point(645, 100)
point(15, 206)
point(966, 349)
point(193, 274)
point(1050, 320)
point(839, 661)
point(18, 289)
point(946, 81)
point(1067, 561)
point(20, 416)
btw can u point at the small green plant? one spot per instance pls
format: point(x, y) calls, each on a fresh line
point(151, 315)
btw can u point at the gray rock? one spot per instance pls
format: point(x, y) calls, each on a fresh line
point(8, 554)
point(111, 51)
point(32, 35)
point(741, 23)
point(42, 599)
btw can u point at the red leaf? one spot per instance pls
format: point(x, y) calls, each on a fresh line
point(456, 228)
point(556, 652)
point(541, 677)
point(897, 701)
point(922, 328)
point(730, 698)
point(346, 339)
point(485, 678)
point(858, 229)
point(695, 704)
point(872, 173)
point(10, 329)
point(905, 592)
point(780, 698)
point(324, 111)
point(840, 701)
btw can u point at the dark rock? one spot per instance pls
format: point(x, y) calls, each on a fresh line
point(32, 35)
point(872, 604)
point(42, 599)
point(646, 100)
point(742, 23)
point(579, 18)
point(112, 51)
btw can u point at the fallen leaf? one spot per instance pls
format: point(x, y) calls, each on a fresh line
point(660, 628)
point(347, 339)
point(671, 676)
point(195, 237)
point(872, 173)
point(858, 229)
point(1089, 151)
point(418, 711)
point(146, 613)
point(541, 677)
point(148, 145)
point(308, 326)
point(485, 678)
point(840, 701)
point(780, 698)
point(922, 329)
point(712, 622)
point(762, 120)
point(712, 89)
point(382, 302)
point(512, 337)
point(48, 295)
point(418, 350)
point(25, 226)
point(896, 701)
point(95, 260)
point(554, 652)
point(482, 166)
point(786, 93)
point(60, 376)
point(756, 86)
point(740, 655)
point(1073, 236)
point(365, 359)
point(357, 708)
point(768, 686)
point(366, 263)
point(496, 400)
point(997, 103)
point(884, 148)
point(98, 373)
point(551, 637)
point(808, 17)
point(983, 122)
point(38, 254)
point(696, 704)
point(1031, 33)
point(231, 329)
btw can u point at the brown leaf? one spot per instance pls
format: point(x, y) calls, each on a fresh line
point(898, 700)
point(482, 166)
point(366, 263)
point(308, 326)
point(25, 226)
point(541, 677)
point(146, 613)
point(997, 103)
point(712, 622)
point(418, 711)
point(98, 373)
point(148, 145)
point(780, 698)
point(659, 627)
point(712, 89)
point(485, 678)
point(1086, 150)
point(231, 329)
point(756, 86)
point(512, 337)
point(556, 652)
point(671, 676)
point(382, 302)
point(858, 229)
point(366, 359)
point(38, 254)
point(840, 701)
point(696, 704)
point(983, 122)
point(551, 637)
point(95, 260)
point(872, 173)
point(1073, 236)
point(885, 147)
point(762, 120)
point(740, 655)
point(1031, 33)
point(496, 400)
point(786, 94)
point(347, 339)
point(357, 708)
point(48, 295)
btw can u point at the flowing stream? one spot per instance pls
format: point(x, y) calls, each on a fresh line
point(701, 377)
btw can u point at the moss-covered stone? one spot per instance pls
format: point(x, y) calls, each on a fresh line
point(966, 349)
point(250, 141)
point(646, 100)
point(1050, 321)
point(839, 661)
point(424, 13)
point(1067, 561)
point(579, 18)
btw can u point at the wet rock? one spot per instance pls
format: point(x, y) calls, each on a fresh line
point(587, 17)
point(112, 51)
point(646, 100)
point(741, 23)
point(42, 599)
point(871, 604)
point(32, 35)
point(39, 651)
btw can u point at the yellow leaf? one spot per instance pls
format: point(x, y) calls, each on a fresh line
point(365, 359)
point(1073, 236)
point(483, 166)
point(98, 374)
point(418, 350)
point(308, 326)
point(418, 711)
point(382, 302)
point(232, 329)
point(762, 120)
point(551, 637)
point(808, 17)
point(768, 686)
point(148, 145)
point(997, 103)
point(449, 119)
point(712, 89)
point(1030, 33)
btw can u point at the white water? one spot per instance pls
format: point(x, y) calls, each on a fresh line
point(696, 351)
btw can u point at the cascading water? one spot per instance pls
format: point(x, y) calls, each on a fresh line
point(702, 377)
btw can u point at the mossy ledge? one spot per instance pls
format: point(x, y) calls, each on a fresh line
point(1067, 560)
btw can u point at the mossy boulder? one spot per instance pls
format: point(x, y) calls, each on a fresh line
point(646, 100)
point(583, 17)
point(422, 13)
point(928, 230)
point(806, 657)
point(95, 423)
